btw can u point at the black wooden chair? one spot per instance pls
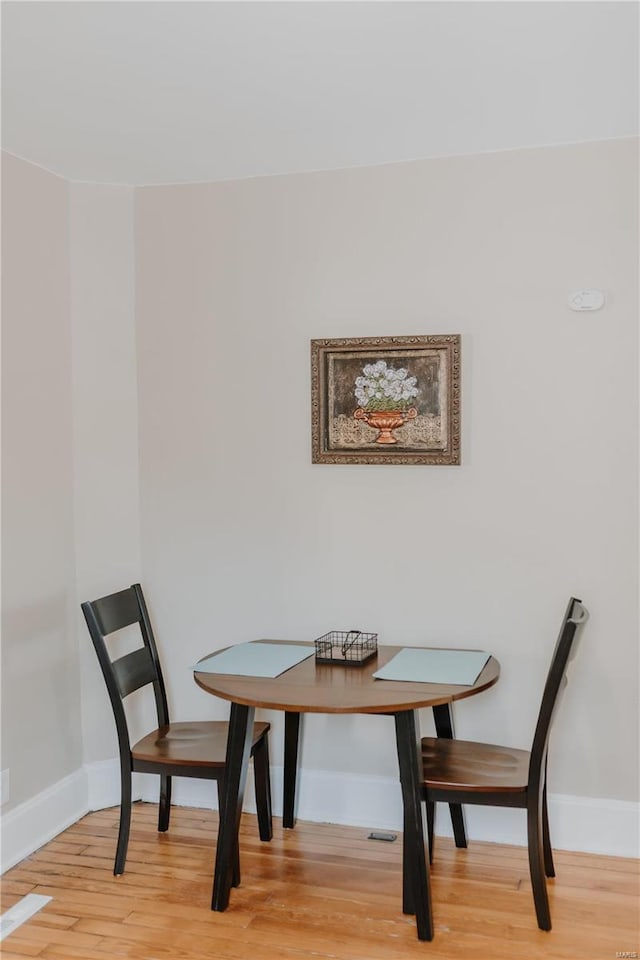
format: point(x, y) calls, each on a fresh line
point(195, 749)
point(459, 771)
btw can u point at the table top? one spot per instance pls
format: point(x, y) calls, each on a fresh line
point(326, 688)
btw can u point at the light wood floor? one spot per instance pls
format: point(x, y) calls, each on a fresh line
point(319, 891)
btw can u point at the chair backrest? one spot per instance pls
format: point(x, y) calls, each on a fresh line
point(574, 619)
point(133, 670)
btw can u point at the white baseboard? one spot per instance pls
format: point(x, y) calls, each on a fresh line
point(103, 785)
point(609, 827)
point(33, 823)
point(601, 826)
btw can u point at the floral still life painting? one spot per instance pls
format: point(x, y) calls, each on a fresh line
point(386, 400)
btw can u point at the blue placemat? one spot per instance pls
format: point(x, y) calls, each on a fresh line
point(462, 667)
point(255, 659)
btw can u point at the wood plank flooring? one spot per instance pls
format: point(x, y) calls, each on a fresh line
point(319, 891)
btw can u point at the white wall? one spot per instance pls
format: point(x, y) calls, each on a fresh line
point(41, 732)
point(242, 537)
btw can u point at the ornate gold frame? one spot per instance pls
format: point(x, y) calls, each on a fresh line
point(428, 433)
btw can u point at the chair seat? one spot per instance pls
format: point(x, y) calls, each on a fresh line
point(202, 743)
point(474, 767)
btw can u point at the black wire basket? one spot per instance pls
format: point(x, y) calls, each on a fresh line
point(351, 648)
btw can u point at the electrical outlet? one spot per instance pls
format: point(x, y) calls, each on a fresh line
point(4, 787)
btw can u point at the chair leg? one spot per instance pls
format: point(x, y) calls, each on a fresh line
point(125, 821)
point(262, 781)
point(443, 720)
point(431, 815)
point(164, 809)
point(546, 839)
point(536, 863)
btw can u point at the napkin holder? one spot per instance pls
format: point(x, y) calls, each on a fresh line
point(350, 648)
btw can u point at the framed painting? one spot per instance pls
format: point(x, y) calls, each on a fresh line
point(386, 400)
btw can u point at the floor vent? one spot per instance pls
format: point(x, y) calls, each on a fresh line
point(20, 912)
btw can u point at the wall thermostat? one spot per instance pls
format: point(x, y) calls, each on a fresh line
point(583, 300)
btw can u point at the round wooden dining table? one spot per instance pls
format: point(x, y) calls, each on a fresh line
point(311, 687)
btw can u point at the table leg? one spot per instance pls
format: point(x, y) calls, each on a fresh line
point(238, 750)
point(415, 866)
point(408, 905)
point(291, 746)
point(443, 719)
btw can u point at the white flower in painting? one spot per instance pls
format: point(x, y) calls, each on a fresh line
point(381, 387)
point(393, 390)
point(409, 391)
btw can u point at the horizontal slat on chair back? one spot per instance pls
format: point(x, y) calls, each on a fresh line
point(133, 671)
point(116, 611)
